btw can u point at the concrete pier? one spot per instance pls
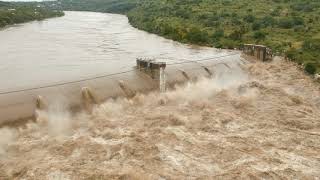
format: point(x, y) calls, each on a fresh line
point(260, 52)
point(155, 70)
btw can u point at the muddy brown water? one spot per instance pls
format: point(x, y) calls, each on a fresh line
point(82, 45)
point(256, 122)
point(253, 121)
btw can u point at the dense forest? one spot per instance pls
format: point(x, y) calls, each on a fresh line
point(110, 6)
point(289, 27)
point(13, 13)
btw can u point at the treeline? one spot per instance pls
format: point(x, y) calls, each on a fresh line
point(111, 6)
point(13, 13)
point(289, 27)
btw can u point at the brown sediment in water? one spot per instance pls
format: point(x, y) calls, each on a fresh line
point(260, 123)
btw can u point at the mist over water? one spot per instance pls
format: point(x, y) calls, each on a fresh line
point(57, 117)
point(7, 136)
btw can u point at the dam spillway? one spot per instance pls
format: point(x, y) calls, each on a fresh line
point(99, 47)
point(21, 104)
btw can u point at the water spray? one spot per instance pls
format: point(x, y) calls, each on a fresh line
point(127, 91)
point(88, 98)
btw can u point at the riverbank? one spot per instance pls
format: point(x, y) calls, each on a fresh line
point(255, 122)
point(290, 28)
point(15, 13)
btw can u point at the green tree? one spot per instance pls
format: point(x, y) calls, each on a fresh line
point(219, 33)
point(256, 25)
point(311, 44)
point(310, 68)
point(195, 35)
point(259, 35)
point(249, 18)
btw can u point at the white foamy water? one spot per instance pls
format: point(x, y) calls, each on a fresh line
point(254, 122)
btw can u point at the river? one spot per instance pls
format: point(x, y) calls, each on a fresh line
point(259, 120)
point(80, 45)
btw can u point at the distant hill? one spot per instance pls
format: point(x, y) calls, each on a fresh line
point(13, 13)
point(290, 27)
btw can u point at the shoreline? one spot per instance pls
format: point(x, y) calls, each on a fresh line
point(13, 13)
point(19, 24)
point(34, 20)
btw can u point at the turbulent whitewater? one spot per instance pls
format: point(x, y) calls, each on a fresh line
point(258, 121)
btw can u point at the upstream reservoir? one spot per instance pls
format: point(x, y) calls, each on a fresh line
point(77, 46)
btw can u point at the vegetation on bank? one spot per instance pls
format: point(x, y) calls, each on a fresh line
point(13, 13)
point(110, 6)
point(290, 27)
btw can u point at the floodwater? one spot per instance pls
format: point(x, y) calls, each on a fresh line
point(80, 45)
point(250, 120)
point(77, 46)
point(255, 123)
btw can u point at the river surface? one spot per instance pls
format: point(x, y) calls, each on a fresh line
point(77, 46)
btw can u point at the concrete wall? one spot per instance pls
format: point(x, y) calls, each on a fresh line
point(260, 52)
point(143, 78)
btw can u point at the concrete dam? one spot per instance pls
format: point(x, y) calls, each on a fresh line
point(145, 76)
